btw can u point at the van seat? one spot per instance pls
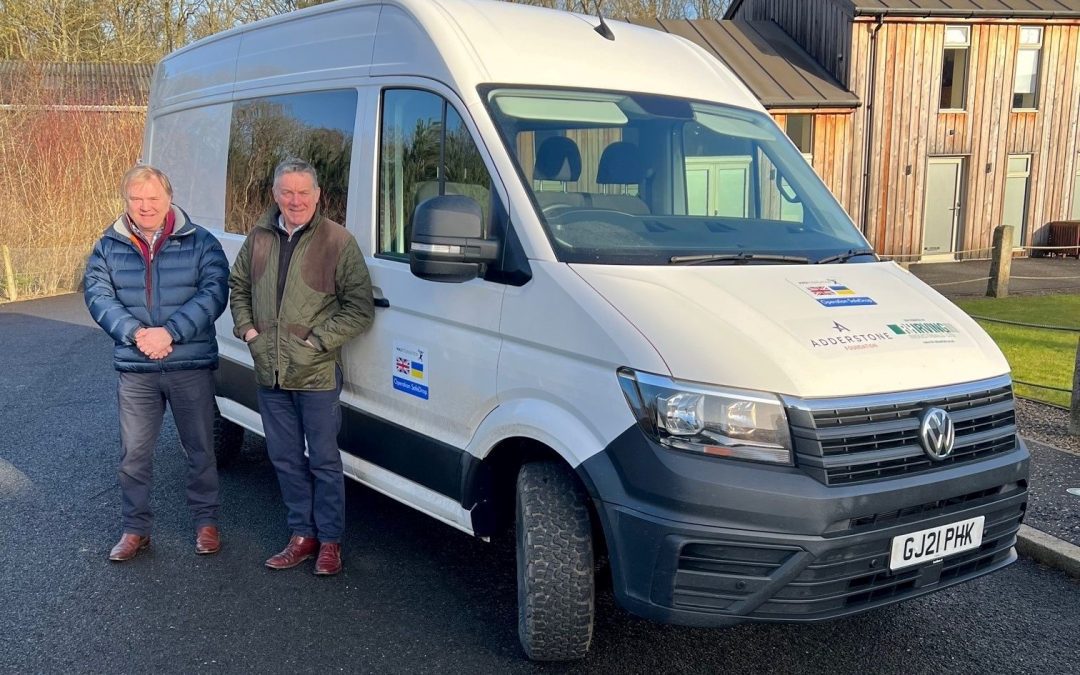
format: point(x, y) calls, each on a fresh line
point(558, 159)
point(620, 164)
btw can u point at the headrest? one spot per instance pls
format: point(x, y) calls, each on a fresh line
point(558, 159)
point(620, 164)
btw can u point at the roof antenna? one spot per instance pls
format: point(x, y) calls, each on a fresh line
point(603, 28)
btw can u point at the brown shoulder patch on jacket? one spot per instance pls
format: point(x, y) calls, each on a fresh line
point(261, 242)
point(320, 259)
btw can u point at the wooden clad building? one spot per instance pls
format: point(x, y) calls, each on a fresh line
point(963, 114)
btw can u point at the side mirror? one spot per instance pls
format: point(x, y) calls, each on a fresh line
point(448, 242)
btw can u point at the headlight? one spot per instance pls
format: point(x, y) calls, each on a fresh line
point(711, 420)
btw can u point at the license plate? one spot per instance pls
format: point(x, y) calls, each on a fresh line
point(936, 543)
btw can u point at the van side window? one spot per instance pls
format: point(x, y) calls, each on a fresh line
point(316, 127)
point(426, 150)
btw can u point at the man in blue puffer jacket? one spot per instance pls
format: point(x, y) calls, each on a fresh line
point(156, 282)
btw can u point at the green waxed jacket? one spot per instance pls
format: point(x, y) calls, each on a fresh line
point(326, 302)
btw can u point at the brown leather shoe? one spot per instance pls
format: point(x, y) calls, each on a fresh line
point(329, 561)
point(207, 540)
point(128, 547)
point(297, 551)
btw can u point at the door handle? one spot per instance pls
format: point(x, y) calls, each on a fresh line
point(382, 302)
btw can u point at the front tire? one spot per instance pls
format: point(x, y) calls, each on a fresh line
point(555, 584)
point(228, 439)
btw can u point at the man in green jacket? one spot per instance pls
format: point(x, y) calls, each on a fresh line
point(300, 290)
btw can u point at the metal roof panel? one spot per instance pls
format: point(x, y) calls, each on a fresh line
point(779, 72)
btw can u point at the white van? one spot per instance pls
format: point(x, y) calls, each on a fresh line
point(618, 315)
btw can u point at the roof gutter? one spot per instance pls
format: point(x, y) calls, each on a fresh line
point(868, 147)
point(820, 107)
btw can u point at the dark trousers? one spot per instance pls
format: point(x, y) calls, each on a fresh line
point(142, 398)
point(313, 487)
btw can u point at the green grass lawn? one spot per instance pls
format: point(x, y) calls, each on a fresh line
point(1036, 355)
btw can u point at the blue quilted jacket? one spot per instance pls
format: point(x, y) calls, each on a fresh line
point(185, 290)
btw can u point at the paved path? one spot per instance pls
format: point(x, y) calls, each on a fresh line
point(1029, 276)
point(416, 596)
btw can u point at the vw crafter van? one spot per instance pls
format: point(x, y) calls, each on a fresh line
point(618, 315)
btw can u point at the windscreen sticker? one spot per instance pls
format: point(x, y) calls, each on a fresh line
point(925, 332)
point(832, 293)
point(410, 368)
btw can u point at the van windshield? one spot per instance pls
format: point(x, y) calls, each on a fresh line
point(623, 178)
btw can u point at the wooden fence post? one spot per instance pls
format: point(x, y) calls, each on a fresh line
point(1000, 262)
point(9, 276)
point(1074, 409)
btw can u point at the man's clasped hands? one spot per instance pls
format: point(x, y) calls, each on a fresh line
point(156, 343)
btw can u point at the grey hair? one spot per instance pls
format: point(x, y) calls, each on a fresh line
point(140, 173)
point(294, 165)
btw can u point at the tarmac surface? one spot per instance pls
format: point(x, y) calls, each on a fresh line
point(416, 596)
point(1028, 276)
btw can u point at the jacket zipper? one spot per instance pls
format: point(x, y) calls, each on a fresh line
point(149, 282)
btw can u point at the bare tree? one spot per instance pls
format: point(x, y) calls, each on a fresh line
point(121, 30)
point(709, 9)
point(146, 30)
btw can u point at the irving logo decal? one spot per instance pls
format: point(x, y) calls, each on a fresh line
point(927, 332)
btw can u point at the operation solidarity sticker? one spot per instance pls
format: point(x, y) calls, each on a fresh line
point(832, 293)
point(410, 369)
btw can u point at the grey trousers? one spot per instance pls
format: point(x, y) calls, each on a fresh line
point(142, 398)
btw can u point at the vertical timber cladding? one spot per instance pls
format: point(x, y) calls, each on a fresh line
point(909, 128)
point(831, 151)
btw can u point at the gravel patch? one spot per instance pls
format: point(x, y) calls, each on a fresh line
point(1055, 468)
point(1046, 424)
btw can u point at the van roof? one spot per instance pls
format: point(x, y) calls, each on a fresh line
point(463, 43)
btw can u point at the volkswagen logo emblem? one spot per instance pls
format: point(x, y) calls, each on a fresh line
point(937, 434)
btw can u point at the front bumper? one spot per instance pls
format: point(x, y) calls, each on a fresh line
point(699, 541)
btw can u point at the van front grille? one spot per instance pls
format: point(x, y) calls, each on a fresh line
point(788, 583)
point(861, 439)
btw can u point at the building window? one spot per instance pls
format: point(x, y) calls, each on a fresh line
point(954, 66)
point(800, 129)
point(426, 151)
point(315, 127)
point(1026, 82)
point(1017, 178)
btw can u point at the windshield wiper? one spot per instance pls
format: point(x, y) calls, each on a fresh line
point(736, 257)
point(844, 257)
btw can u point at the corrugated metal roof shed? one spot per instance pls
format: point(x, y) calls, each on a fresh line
point(771, 64)
point(1005, 9)
point(74, 84)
